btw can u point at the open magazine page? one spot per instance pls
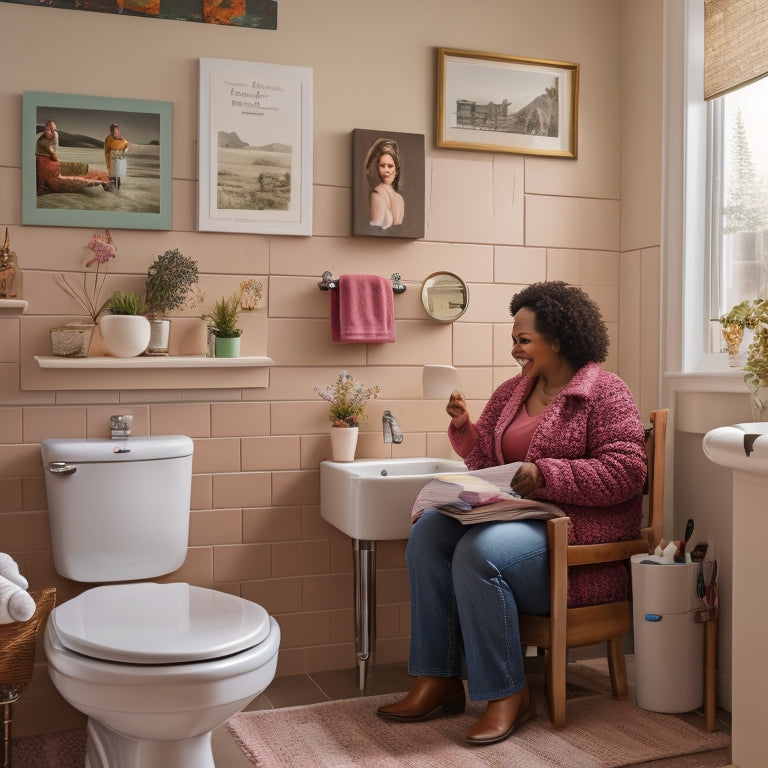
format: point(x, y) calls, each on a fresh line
point(479, 496)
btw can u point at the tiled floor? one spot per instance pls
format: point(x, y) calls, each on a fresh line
point(341, 684)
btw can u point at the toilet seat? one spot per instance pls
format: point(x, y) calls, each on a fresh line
point(149, 623)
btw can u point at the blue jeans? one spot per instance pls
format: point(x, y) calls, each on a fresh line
point(468, 583)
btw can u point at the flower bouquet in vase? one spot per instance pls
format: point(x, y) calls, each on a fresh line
point(347, 399)
point(74, 339)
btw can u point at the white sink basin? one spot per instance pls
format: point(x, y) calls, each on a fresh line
point(739, 446)
point(372, 498)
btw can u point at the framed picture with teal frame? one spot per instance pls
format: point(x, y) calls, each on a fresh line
point(91, 161)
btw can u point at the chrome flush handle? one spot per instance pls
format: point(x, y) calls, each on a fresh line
point(61, 468)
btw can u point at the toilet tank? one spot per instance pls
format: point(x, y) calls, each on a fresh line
point(118, 509)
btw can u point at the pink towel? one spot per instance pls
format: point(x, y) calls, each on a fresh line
point(362, 310)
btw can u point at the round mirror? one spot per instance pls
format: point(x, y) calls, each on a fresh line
point(445, 296)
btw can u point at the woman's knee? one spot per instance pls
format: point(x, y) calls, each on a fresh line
point(492, 549)
point(433, 533)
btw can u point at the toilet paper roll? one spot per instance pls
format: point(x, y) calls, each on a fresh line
point(438, 381)
point(669, 552)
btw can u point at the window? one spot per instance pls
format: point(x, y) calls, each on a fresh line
point(738, 198)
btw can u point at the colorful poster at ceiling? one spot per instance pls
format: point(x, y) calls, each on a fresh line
point(258, 14)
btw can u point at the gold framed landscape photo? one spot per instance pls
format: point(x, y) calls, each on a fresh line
point(255, 148)
point(500, 103)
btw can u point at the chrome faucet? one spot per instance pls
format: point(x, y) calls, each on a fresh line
point(391, 429)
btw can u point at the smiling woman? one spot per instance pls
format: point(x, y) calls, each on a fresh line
point(577, 432)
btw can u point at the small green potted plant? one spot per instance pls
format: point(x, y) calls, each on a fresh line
point(124, 328)
point(169, 283)
point(223, 319)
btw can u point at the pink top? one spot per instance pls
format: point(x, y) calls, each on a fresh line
point(517, 436)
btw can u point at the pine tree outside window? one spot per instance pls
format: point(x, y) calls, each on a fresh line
point(738, 209)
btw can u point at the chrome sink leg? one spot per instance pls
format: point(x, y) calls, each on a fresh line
point(364, 573)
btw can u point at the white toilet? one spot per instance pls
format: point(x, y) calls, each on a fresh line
point(155, 667)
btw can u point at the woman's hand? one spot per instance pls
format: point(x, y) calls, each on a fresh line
point(527, 479)
point(457, 410)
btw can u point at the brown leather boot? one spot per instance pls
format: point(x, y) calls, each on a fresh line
point(501, 719)
point(429, 697)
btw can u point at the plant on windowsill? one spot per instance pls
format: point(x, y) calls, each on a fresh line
point(751, 315)
point(124, 328)
point(169, 286)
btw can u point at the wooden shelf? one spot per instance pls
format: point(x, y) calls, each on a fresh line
point(150, 362)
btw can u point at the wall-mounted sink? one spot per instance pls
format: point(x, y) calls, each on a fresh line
point(372, 498)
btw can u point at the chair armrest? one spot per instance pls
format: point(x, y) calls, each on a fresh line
point(583, 554)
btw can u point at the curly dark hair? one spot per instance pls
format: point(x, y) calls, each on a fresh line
point(567, 316)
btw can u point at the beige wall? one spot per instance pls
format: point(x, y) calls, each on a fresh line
point(501, 221)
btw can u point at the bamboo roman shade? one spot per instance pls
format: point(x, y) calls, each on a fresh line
point(735, 44)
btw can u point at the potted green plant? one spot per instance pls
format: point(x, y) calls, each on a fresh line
point(223, 319)
point(347, 399)
point(169, 283)
point(124, 328)
point(751, 315)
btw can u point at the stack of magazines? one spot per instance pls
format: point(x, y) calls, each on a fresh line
point(480, 496)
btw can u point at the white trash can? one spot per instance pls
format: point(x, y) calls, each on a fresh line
point(669, 642)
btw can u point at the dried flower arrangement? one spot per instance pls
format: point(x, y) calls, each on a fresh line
point(347, 398)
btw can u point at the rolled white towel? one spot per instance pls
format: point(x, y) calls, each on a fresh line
point(10, 569)
point(16, 604)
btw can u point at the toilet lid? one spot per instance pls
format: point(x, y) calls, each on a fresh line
point(152, 623)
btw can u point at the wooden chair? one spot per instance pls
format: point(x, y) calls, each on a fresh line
point(565, 627)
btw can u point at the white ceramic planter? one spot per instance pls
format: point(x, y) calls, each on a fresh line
point(125, 335)
point(344, 443)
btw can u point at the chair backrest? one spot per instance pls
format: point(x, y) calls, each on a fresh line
point(655, 442)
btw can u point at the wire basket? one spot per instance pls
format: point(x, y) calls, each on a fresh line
point(18, 642)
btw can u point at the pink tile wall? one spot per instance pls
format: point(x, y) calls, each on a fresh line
point(499, 221)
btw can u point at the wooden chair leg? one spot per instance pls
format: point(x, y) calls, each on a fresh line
point(618, 668)
point(555, 670)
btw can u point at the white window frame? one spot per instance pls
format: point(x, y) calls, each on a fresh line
point(685, 271)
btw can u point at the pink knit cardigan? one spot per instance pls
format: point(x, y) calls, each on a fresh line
point(589, 447)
